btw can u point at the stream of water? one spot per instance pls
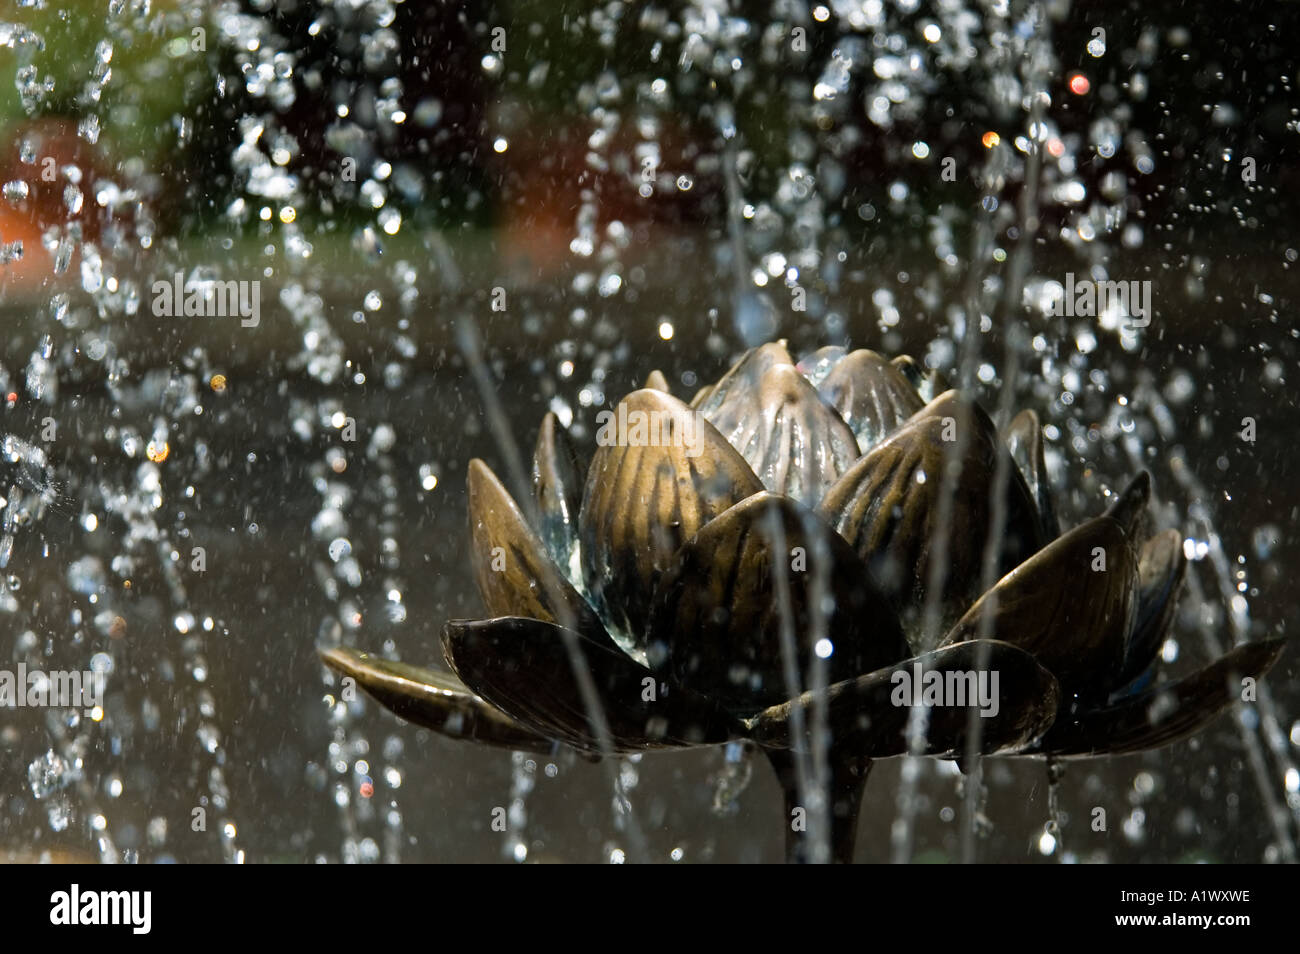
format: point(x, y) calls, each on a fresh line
point(443, 222)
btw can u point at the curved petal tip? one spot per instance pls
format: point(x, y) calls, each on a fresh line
point(1164, 713)
point(432, 699)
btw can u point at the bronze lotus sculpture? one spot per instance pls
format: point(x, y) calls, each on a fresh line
point(806, 545)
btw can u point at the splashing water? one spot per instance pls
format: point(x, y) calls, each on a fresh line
point(266, 310)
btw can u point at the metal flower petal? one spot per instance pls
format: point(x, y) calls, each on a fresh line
point(1129, 507)
point(872, 395)
point(868, 716)
point(1162, 567)
point(1072, 605)
point(557, 483)
point(793, 440)
point(646, 495)
point(929, 384)
point(887, 506)
point(767, 563)
point(1164, 713)
point(657, 382)
point(820, 363)
point(741, 383)
point(434, 700)
point(915, 374)
point(524, 667)
point(1024, 437)
point(515, 575)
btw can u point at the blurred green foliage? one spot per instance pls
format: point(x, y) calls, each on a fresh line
point(133, 65)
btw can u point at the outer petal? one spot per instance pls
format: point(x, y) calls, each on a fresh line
point(515, 575)
point(872, 395)
point(1073, 617)
point(1162, 567)
point(523, 667)
point(717, 618)
point(869, 715)
point(1024, 437)
point(435, 700)
point(1162, 714)
point(557, 483)
point(887, 508)
point(794, 441)
point(644, 500)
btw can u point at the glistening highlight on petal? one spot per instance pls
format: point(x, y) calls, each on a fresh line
point(434, 700)
point(515, 574)
point(661, 474)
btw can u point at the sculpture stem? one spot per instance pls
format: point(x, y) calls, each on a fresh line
point(848, 780)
